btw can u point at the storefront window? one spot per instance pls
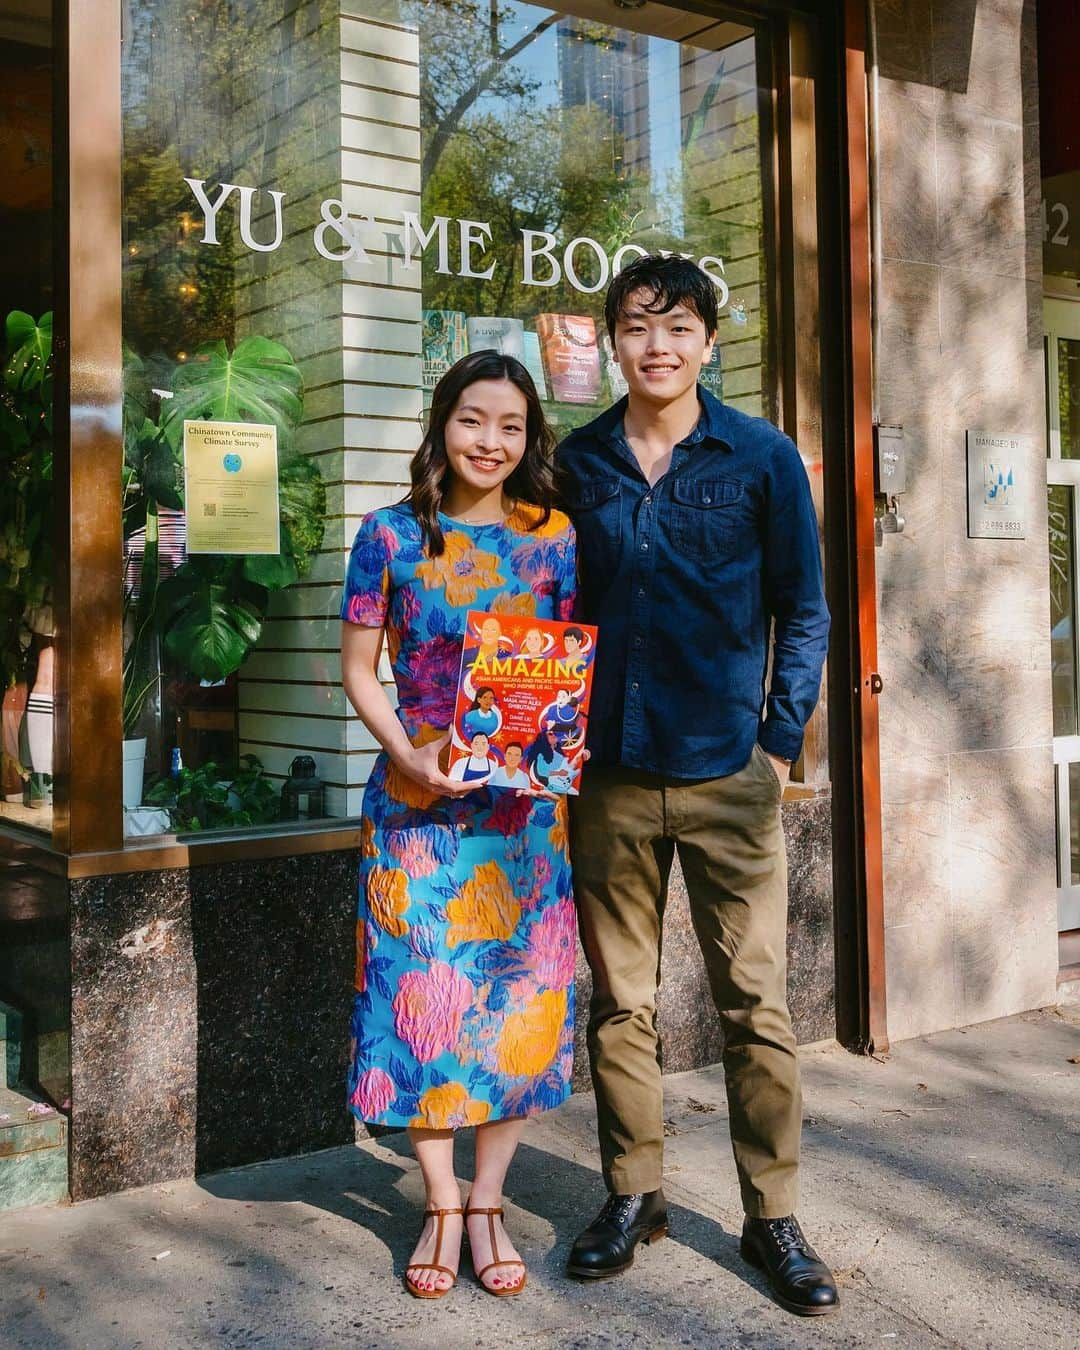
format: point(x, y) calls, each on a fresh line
point(27, 653)
point(324, 210)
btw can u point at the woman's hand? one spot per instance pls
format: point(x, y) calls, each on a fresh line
point(421, 764)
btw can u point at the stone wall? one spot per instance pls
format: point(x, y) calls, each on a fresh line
point(967, 774)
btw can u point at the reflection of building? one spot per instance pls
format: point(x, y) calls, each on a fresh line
point(604, 71)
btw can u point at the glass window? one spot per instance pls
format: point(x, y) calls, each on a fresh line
point(27, 657)
point(1068, 391)
point(322, 212)
point(1061, 521)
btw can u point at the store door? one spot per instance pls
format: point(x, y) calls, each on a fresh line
point(1062, 318)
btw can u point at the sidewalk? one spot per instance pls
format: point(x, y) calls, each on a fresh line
point(943, 1185)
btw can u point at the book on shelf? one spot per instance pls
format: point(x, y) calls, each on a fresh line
point(571, 356)
point(534, 363)
point(444, 342)
point(506, 336)
point(522, 706)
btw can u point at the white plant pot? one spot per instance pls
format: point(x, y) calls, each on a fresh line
point(141, 821)
point(134, 766)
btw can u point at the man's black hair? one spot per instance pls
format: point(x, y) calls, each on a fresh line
point(670, 282)
point(515, 745)
point(574, 632)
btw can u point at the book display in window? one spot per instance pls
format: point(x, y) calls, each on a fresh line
point(506, 336)
point(571, 356)
point(445, 342)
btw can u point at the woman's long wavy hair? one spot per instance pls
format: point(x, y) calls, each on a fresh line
point(533, 480)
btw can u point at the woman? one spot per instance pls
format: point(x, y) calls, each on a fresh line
point(483, 717)
point(465, 937)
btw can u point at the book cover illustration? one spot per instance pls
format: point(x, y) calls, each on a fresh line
point(504, 335)
point(712, 373)
point(534, 363)
point(571, 356)
point(522, 703)
point(444, 342)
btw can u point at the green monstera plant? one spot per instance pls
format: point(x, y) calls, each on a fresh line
point(26, 501)
point(209, 613)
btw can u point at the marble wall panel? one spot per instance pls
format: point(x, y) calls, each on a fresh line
point(134, 1031)
point(1001, 806)
point(975, 57)
point(963, 640)
point(908, 177)
point(926, 998)
point(916, 837)
point(982, 221)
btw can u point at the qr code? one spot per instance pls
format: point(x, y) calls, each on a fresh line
point(209, 508)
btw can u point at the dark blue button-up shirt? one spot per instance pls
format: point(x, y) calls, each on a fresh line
point(684, 579)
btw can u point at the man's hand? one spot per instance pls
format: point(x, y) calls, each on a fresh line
point(783, 769)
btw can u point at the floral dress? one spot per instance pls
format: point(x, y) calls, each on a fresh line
point(465, 936)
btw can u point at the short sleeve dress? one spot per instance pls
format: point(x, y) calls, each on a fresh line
point(466, 933)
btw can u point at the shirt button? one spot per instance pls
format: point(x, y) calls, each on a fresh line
point(645, 546)
point(641, 593)
point(706, 500)
point(648, 501)
point(635, 686)
point(637, 642)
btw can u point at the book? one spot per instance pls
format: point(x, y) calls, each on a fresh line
point(503, 335)
point(444, 342)
point(522, 703)
point(615, 378)
point(712, 373)
point(534, 363)
point(571, 356)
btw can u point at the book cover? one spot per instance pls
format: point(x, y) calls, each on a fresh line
point(534, 363)
point(615, 378)
point(571, 356)
point(504, 335)
point(712, 374)
point(444, 342)
point(522, 703)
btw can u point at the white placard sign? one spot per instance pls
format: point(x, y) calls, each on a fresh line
point(998, 483)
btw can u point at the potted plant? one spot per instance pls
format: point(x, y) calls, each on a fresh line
point(26, 554)
point(204, 618)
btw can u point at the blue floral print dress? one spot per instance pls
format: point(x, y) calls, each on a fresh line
point(465, 935)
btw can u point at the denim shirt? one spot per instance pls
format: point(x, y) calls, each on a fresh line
point(684, 579)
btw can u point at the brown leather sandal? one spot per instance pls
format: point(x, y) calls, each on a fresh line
point(438, 1215)
point(492, 1215)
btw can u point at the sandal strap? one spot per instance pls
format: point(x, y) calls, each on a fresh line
point(470, 1212)
point(434, 1213)
point(428, 1265)
point(492, 1264)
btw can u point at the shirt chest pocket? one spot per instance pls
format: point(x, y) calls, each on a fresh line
point(707, 518)
point(596, 508)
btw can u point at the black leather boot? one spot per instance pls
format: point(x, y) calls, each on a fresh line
point(801, 1282)
point(607, 1246)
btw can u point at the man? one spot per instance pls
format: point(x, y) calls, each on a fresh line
point(511, 774)
point(696, 536)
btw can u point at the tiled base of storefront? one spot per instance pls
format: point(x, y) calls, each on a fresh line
point(209, 1006)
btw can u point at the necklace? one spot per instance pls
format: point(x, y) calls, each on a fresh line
point(464, 520)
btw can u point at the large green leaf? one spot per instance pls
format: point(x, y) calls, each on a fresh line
point(257, 383)
point(30, 345)
point(302, 495)
point(275, 571)
point(208, 627)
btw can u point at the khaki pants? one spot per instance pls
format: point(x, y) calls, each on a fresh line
point(625, 829)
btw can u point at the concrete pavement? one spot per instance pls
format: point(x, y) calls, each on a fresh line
point(942, 1184)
